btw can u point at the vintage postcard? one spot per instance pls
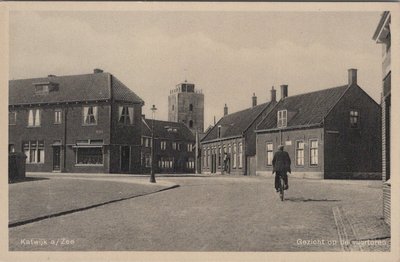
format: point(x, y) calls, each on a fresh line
point(200, 131)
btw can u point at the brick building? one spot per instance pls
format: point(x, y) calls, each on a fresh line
point(382, 36)
point(76, 123)
point(173, 147)
point(234, 136)
point(331, 133)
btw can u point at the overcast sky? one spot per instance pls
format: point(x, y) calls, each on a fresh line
point(229, 55)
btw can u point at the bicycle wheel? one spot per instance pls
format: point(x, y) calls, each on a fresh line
point(281, 188)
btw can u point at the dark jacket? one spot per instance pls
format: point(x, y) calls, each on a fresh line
point(281, 162)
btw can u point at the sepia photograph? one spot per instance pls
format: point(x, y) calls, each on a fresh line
point(199, 129)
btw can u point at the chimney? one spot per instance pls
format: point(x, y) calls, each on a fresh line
point(225, 110)
point(284, 91)
point(352, 76)
point(97, 71)
point(254, 99)
point(215, 121)
point(273, 94)
point(51, 75)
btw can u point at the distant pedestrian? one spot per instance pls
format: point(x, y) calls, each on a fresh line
point(281, 165)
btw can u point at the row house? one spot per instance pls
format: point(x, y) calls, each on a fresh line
point(174, 147)
point(230, 145)
point(76, 123)
point(330, 133)
point(382, 36)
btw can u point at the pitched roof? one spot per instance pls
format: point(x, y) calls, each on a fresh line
point(307, 109)
point(236, 123)
point(73, 88)
point(161, 130)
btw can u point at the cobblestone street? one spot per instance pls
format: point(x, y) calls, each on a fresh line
point(223, 213)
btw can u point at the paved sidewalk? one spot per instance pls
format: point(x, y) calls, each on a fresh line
point(45, 195)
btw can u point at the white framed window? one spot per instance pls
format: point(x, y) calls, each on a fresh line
point(34, 151)
point(219, 131)
point(354, 119)
point(12, 118)
point(125, 115)
point(57, 116)
point(240, 155)
point(234, 155)
point(190, 147)
point(163, 145)
point(42, 89)
point(282, 118)
point(90, 115)
point(269, 153)
point(34, 117)
point(314, 152)
point(178, 146)
point(190, 163)
point(89, 152)
point(300, 153)
point(173, 145)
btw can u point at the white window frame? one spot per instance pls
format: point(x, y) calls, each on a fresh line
point(354, 118)
point(312, 156)
point(38, 155)
point(57, 116)
point(86, 116)
point(297, 151)
point(163, 145)
point(34, 117)
point(282, 118)
point(125, 113)
point(269, 153)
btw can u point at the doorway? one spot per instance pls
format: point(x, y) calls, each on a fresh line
point(125, 158)
point(56, 158)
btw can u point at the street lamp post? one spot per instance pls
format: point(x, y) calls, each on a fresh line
point(152, 176)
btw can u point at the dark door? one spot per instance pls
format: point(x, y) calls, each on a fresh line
point(125, 157)
point(56, 158)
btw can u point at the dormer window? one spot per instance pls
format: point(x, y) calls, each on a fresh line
point(42, 89)
point(45, 87)
point(282, 118)
point(219, 131)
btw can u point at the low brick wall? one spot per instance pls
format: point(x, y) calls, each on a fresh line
point(16, 166)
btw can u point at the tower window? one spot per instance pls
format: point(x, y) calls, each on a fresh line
point(191, 107)
point(190, 123)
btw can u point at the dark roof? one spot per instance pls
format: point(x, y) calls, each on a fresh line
point(73, 88)
point(236, 123)
point(182, 133)
point(307, 109)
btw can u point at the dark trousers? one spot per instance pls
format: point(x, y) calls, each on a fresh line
point(285, 178)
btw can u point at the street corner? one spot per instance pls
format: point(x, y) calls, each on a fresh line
point(48, 196)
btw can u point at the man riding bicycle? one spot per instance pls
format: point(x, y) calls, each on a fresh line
point(281, 165)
